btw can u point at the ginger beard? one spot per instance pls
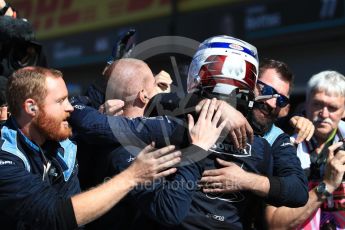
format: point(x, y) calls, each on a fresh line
point(51, 127)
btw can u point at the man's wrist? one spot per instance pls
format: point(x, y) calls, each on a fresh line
point(330, 186)
point(201, 145)
point(131, 177)
point(248, 182)
point(258, 184)
point(323, 190)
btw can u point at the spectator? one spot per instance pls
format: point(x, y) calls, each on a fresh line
point(320, 158)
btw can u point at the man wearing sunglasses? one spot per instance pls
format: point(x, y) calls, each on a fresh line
point(288, 186)
point(271, 99)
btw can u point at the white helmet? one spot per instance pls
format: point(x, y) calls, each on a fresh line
point(223, 65)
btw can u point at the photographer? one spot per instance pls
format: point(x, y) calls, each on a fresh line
point(321, 158)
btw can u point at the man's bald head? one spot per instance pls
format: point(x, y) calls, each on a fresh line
point(126, 78)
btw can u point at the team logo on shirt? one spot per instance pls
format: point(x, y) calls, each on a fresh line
point(215, 217)
point(229, 149)
point(286, 144)
point(6, 162)
point(130, 158)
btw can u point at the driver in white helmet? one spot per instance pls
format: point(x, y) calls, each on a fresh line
point(226, 68)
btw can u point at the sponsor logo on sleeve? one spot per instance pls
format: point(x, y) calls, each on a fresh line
point(2, 162)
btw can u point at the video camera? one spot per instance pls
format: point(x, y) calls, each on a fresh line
point(18, 45)
point(18, 48)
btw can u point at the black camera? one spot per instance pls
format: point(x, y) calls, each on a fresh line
point(18, 46)
point(342, 147)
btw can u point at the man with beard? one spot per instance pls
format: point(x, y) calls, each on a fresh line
point(321, 158)
point(132, 81)
point(223, 67)
point(286, 181)
point(38, 171)
point(288, 177)
point(271, 95)
point(272, 102)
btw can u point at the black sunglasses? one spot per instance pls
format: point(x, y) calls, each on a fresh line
point(269, 91)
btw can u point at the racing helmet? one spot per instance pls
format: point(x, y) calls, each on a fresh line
point(224, 67)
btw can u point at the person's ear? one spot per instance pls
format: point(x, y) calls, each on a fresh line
point(30, 107)
point(342, 117)
point(33, 108)
point(143, 97)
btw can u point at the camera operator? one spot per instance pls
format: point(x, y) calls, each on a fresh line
point(18, 48)
point(321, 159)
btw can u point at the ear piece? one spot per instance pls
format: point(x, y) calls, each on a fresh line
point(32, 108)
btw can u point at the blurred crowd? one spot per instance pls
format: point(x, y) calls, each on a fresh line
point(132, 153)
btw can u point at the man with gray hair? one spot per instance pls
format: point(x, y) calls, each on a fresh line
point(322, 159)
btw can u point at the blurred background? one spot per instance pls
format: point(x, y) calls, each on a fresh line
point(78, 35)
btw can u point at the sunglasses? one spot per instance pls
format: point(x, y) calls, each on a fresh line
point(268, 92)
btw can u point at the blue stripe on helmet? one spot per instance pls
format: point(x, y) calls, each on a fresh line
point(226, 45)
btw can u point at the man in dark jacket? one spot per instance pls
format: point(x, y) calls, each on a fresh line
point(261, 152)
point(38, 169)
point(99, 162)
point(272, 92)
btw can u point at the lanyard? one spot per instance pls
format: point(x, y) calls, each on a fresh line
point(318, 160)
point(312, 144)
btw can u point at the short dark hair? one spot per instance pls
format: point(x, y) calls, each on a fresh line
point(281, 67)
